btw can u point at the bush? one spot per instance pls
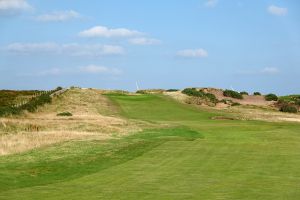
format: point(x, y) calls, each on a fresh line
point(257, 93)
point(297, 102)
point(235, 104)
point(172, 90)
point(211, 97)
point(64, 114)
point(193, 92)
point(288, 108)
point(244, 93)
point(233, 94)
point(271, 97)
point(141, 92)
point(199, 93)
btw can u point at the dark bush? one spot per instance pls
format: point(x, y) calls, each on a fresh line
point(199, 93)
point(193, 92)
point(244, 93)
point(257, 93)
point(58, 88)
point(297, 102)
point(64, 114)
point(141, 92)
point(211, 97)
point(288, 108)
point(233, 94)
point(271, 97)
point(172, 90)
point(30, 106)
point(7, 110)
point(235, 104)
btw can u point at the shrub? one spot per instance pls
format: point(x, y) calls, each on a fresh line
point(257, 93)
point(196, 93)
point(211, 97)
point(58, 88)
point(233, 94)
point(271, 97)
point(64, 114)
point(193, 92)
point(244, 93)
point(235, 104)
point(172, 90)
point(141, 92)
point(288, 108)
point(297, 102)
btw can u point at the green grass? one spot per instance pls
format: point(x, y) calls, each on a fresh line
point(198, 158)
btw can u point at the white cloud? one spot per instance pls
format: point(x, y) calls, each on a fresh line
point(211, 3)
point(96, 69)
point(192, 53)
point(27, 48)
point(275, 10)
point(269, 70)
point(9, 7)
point(89, 69)
point(58, 16)
point(92, 49)
point(263, 71)
point(102, 31)
point(144, 41)
point(72, 49)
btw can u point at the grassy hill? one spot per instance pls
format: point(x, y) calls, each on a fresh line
point(182, 154)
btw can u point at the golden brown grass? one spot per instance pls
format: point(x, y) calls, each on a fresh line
point(94, 116)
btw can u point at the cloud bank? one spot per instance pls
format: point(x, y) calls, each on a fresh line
point(11, 7)
point(192, 53)
point(279, 11)
point(211, 3)
point(102, 31)
point(58, 16)
point(88, 69)
point(144, 41)
point(72, 49)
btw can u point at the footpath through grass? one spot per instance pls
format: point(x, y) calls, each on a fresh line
point(198, 158)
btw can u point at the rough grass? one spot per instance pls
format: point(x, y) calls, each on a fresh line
point(205, 159)
point(93, 117)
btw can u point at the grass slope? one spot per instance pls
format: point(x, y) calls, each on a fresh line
point(205, 159)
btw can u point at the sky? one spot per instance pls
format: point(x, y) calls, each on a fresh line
point(111, 44)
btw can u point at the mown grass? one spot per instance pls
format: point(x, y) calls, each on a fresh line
point(205, 159)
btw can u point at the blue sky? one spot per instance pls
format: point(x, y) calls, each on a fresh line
point(111, 44)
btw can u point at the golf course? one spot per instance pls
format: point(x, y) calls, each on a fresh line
point(181, 151)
